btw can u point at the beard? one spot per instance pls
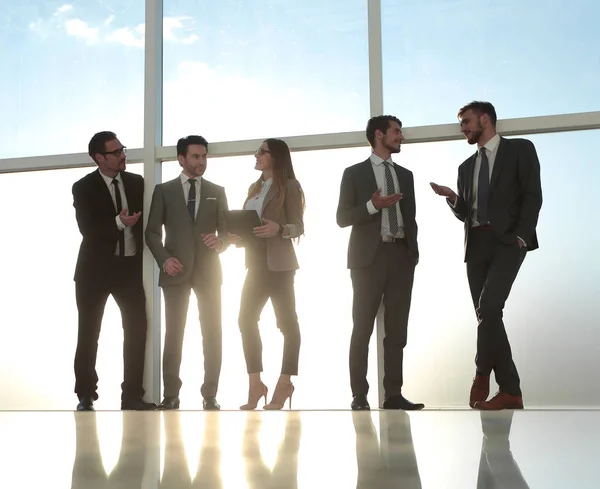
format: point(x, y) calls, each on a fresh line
point(392, 148)
point(475, 135)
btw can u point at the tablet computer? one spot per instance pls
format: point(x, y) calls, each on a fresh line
point(242, 222)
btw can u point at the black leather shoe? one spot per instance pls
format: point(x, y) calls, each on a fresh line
point(210, 404)
point(86, 403)
point(360, 403)
point(169, 403)
point(137, 405)
point(399, 402)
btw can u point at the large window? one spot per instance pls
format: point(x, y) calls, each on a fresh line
point(528, 58)
point(69, 69)
point(323, 293)
point(38, 319)
point(550, 316)
point(243, 70)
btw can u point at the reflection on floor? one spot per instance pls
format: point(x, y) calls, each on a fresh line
point(300, 450)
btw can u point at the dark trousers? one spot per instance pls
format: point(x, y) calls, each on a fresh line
point(123, 279)
point(262, 284)
point(497, 466)
point(389, 276)
point(492, 267)
point(177, 299)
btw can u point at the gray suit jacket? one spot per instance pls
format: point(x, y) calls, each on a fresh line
point(515, 193)
point(357, 187)
point(183, 237)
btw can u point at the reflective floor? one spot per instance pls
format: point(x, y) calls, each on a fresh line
point(300, 449)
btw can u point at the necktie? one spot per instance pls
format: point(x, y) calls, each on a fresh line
point(392, 214)
point(483, 189)
point(115, 182)
point(191, 202)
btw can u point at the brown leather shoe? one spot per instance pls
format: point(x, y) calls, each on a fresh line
point(501, 400)
point(480, 390)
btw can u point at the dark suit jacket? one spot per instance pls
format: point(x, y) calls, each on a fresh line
point(183, 238)
point(95, 214)
point(515, 196)
point(357, 187)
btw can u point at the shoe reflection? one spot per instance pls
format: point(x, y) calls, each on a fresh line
point(388, 462)
point(88, 468)
point(285, 470)
point(176, 473)
point(497, 467)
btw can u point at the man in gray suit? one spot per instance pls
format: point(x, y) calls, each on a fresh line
point(377, 198)
point(192, 211)
point(499, 197)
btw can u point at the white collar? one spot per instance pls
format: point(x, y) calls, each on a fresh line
point(378, 160)
point(108, 180)
point(492, 144)
point(184, 178)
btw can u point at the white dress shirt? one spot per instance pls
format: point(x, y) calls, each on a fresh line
point(186, 190)
point(492, 150)
point(257, 202)
point(130, 245)
point(379, 171)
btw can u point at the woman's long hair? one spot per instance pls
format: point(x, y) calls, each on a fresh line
point(283, 170)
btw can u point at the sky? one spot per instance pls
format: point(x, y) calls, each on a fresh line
point(241, 70)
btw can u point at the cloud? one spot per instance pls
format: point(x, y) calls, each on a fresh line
point(174, 29)
point(128, 37)
point(63, 9)
point(81, 30)
point(173, 24)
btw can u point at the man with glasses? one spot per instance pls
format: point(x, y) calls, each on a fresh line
point(108, 204)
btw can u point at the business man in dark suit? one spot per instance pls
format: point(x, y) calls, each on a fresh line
point(108, 204)
point(192, 211)
point(377, 198)
point(499, 198)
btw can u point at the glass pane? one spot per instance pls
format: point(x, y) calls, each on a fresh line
point(38, 319)
point(323, 293)
point(527, 58)
point(68, 71)
point(240, 70)
point(550, 316)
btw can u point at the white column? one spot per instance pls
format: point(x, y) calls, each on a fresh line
point(376, 98)
point(152, 175)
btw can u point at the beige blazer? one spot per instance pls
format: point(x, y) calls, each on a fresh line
point(280, 250)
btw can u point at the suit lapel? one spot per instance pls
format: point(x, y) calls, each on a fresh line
point(175, 188)
point(204, 193)
point(103, 190)
point(498, 163)
point(470, 169)
point(403, 188)
point(368, 176)
point(272, 192)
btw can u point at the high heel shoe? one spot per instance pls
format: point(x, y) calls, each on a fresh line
point(283, 392)
point(255, 392)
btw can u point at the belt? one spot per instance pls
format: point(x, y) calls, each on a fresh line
point(390, 239)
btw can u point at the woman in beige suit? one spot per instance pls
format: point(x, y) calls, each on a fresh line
point(271, 261)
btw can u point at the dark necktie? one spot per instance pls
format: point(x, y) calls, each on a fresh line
point(119, 209)
point(483, 189)
point(392, 214)
point(191, 203)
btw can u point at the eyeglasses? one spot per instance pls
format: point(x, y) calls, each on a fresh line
point(116, 152)
point(261, 151)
